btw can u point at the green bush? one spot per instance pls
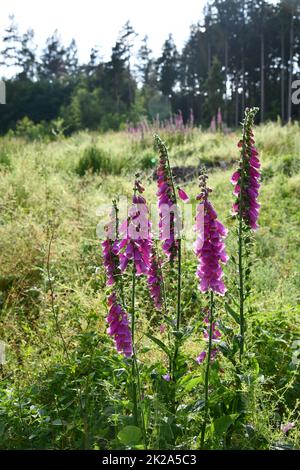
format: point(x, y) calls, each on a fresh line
point(148, 161)
point(96, 160)
point(4, 160)
point(289, 165)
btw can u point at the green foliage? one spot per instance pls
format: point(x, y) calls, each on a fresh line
point(97, 160)
point(4, 160)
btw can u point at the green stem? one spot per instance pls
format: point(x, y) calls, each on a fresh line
point(136, 382)
point(178, 320)
point(240, 248)
point(241, 286)
point(207, 369)
point(134, 387)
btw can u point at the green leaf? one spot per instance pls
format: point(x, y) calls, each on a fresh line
point(231, 312)
point(222, 424)
point(130, 435)
point(192, 382)
point(159, 343)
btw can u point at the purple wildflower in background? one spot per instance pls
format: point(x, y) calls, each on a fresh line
point(247, 177)
point(285, 428)
point(209, 247)
point(167, 377)
point(119, 326)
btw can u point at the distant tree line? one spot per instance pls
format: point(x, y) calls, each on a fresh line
point(243, 52)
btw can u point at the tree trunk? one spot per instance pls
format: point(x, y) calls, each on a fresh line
point(282, 75)
point(226, 74)
point(289, 116)
point(262, 77)
point(243, 81)
point(236, 102)
point(208, 55)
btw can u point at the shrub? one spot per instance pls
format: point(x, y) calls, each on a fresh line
point(4, 160)
point(96, 160)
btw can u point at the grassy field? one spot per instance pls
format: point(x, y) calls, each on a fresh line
point(62, 384)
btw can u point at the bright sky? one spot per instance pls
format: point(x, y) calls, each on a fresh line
point(97, 22)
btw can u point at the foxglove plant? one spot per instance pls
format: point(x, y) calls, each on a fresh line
point(119, 326)
point(166, 203)
point(136, 249)
point(210, 250)
point(169, 230)
point(117, 317)
point(169, 221)
point(246, 207)
point(154, 279)
point(209, 246)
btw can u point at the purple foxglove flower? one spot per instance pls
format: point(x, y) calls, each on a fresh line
point(110, 260)
point(154, 279)
point(247, 177)
point(119, 326)
point(201, 357)
point(182, 194)
point(166, 201)
point(136, 243)
point(209, 246)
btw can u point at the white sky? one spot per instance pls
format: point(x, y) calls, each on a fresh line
point(97, 22)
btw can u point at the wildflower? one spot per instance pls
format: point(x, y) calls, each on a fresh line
point(118, 326)
point(167, 377)
point(166, 203)
point(110, 250)
point(136, 244)
point(182, 194)
point(154, 279)
point(246, 178)
point(110, 260)
point(201, 357)
point(285, 428)
point(209, 247)
point(162, 328)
